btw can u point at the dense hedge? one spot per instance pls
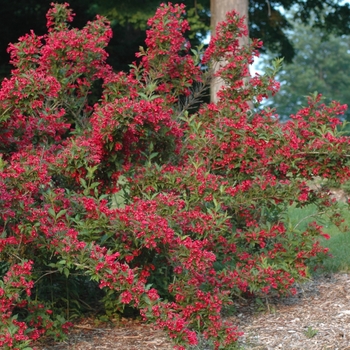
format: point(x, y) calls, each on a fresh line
point(148, 198)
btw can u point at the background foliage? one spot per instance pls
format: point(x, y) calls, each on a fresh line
point(267, 21)
point(321, 64)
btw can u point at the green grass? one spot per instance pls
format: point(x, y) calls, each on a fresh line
point(338, 244)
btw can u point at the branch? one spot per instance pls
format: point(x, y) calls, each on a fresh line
point(307, 217)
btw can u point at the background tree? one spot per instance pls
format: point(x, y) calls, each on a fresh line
point(218, 10)
point(129, 20)
point(321, 63)
point(268, 21)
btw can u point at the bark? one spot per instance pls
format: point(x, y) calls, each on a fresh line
point(218, 9)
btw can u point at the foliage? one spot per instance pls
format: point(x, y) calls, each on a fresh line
point(310, 332)
point(128, 21)
point(138, 12)
point(170, 212)
point(321, 64)
point(267, 21)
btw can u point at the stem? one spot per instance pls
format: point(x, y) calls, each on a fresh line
point(45, 274)
point(307, 217)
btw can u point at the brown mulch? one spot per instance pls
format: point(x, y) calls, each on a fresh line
point(316, 318)
point(127, 335)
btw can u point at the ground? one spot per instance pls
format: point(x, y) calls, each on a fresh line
point(316, 318)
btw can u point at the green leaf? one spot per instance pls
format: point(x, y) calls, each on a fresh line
point(144, 96)
point(61, 213)
point(153, 155)
point(83, 182)
point(52, 213)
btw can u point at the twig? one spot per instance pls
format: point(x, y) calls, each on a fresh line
point(307, 217)
point(45, 274)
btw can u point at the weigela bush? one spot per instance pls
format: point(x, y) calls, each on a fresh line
point(170, 206)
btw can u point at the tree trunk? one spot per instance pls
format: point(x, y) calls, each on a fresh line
point(218, 9)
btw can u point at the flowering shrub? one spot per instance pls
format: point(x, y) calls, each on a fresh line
point(169, 211)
